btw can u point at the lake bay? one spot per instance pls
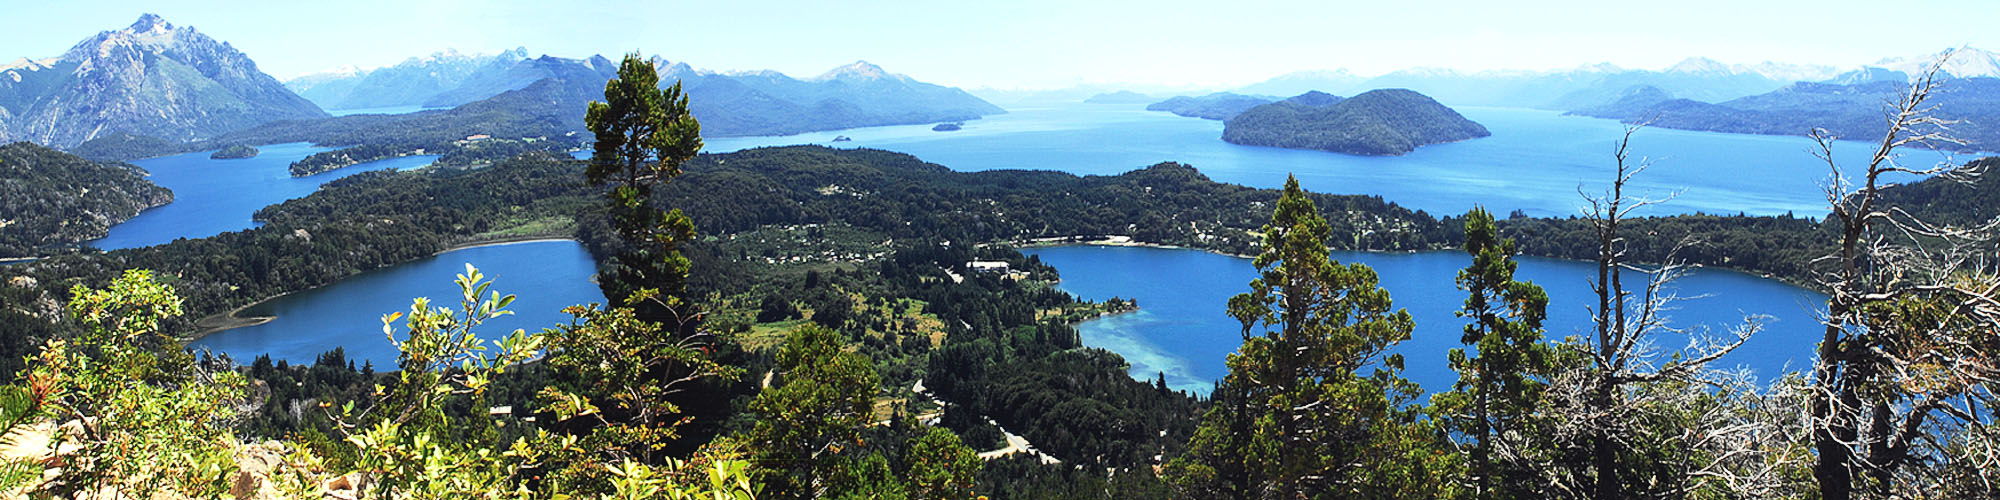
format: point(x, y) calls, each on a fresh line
point(1182, 327)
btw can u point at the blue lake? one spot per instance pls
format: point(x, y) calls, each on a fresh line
point(216, 196)
point(545, 276)
point(1535, 161)
point(1182, 328)
point(386, 110)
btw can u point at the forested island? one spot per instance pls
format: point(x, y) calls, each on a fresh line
point(236, 152)
point(1377, 122)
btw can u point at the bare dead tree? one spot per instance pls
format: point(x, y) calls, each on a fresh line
point(1904, 385)
point(1623, 356)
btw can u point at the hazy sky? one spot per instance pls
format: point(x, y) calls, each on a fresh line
point(1026, 44)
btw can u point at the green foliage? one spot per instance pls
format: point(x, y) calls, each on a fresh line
point(54, 200)
point(1297, 417)
point(128, 418)
point(644, 133)
point(121, 146)
point(404, 447)
point(235, 152)
point(940, 467)
point(820, 399)
point(345, 157)
point(1378, 122)
point(616, 378)
point(1500, 383)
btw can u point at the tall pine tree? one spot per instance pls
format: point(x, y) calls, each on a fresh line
point(1314, 405)
point(1500, 382)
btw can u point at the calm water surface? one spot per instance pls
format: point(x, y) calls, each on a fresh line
point(386, 110)
point(216, 196)
point(1535, 160)
point(1183, 330)
point(545, 276)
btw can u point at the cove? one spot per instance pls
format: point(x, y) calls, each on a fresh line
point(216, 196)
point(545, 276)
point(1182, 327)
point(1535, 161)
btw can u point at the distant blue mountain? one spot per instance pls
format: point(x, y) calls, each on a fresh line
point(1216, 106)
point(728, 104)
point(1847, 111)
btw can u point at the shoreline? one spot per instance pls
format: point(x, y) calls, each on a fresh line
point(1127, 241)
point(506, 240)
point(232, 319)
point(1112, 241)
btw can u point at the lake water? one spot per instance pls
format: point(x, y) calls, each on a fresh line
point(216, 196)
point(1182, 327)
point(545, 277)
point(1535, 161)
point(386, 110)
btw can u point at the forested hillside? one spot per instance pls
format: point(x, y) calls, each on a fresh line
point(51, 200)
point(1377, 122)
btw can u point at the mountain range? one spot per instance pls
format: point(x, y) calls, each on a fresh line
point(1847, 111)
point(151, 79)
point(1697, 78)
point(413, 82)
point(728, 104)
point(1586, 86)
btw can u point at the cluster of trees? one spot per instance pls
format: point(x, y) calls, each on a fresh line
point(54, 200)
point(1895, 406)
point(346, 157)
point(1378, 122)
point(236, 152)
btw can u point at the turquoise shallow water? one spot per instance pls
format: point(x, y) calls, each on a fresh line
point(1182, 328)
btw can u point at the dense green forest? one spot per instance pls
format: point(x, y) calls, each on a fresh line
point(1378, 122)
point(53, 200)
point(234, 153)
point(791, 322)
point(542, 111)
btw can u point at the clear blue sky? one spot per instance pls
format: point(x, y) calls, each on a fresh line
point(1028, 44)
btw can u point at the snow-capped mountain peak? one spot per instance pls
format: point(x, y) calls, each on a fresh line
point(860, 70)
point(1701, 66)
point(1965, 62)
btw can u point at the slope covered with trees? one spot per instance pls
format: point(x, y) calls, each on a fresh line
point(1378, 122)
point(51, 199)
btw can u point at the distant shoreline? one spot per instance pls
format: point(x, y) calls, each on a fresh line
point(220, 322)
point(1112, 241)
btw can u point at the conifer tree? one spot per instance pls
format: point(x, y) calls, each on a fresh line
point(1314, 405)
point(1501, 381)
